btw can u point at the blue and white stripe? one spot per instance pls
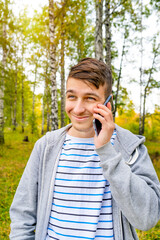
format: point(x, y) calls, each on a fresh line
point(82, 201)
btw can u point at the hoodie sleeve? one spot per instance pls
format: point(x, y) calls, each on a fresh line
point(24, 206)
point(135, 188)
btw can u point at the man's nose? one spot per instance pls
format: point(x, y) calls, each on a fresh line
point(79, 107)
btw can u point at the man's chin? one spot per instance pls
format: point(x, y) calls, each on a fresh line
point(83, 131)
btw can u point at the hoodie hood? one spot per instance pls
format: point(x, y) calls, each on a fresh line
point(127, 141)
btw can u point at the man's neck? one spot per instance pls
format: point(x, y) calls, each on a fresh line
point(81, 134)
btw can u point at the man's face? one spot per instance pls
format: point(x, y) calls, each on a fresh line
point(81, 98)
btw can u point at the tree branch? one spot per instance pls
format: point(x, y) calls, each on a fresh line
point(113, 11)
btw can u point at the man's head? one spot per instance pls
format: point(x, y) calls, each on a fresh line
point(93, 71)
point(88, 84)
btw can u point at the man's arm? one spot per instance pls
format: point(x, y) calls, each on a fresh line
point(135, 188)
point(24, 206)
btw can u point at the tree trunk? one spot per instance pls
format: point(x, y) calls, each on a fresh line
point(98, 32)
point(4, 62)
point(144, 111)
point(107, 34)
point(43, 99)
point(1, 109)
point(15, 103)
point(141, 76)
point(62, 67)
point(62, 83)
point(43, 107)
point(120, 72)
point(48, 119)
point(48, 106)
point(54, 105)
point(33, 101)
point(22, 95)
point(147, 86)
point(48, 98)
point(140, 107)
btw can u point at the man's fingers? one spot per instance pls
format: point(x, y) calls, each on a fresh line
point(99, 117)
point(105, 113)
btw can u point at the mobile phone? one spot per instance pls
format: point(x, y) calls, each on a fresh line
point(96, 123)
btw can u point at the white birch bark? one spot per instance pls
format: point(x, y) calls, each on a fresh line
point(141, 75)
point(15, 101)
point(22, 94)
point(54, 105)
point(98, 31)
point(62, 84)
point(107, 34)
point(33, 100)
point(62, 66)
point(22, 103)
point(43, 107)
point(120, 70)
point(4, 61)
point(147, 87)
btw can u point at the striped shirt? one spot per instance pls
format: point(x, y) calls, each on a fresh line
point(82, 201)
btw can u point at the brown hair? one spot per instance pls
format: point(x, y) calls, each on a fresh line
point(93, 71)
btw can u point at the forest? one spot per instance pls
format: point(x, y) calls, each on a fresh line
point(36, 53)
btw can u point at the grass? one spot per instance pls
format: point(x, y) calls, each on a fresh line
point(152, 234)
point(153, 148)
point(13, 158)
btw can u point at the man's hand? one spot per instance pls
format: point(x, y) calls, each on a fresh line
point(104, 115)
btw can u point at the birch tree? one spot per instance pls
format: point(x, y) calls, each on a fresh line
point(3, 68)
point(98, 30)
point(54, 105)
point(114, 11)
point(33, 98)
point(41, 48)
point(151, 82)
point(126, 33)
point(141, 69)
point(43, 108)
point(62, 63)
point(22, 103)
point(15, 98)
point(23, 41)
point(107, 23)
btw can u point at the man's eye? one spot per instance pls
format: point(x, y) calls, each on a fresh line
point(71, 96)
point(91, 98)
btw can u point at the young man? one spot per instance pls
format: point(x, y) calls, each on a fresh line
point(79, 185)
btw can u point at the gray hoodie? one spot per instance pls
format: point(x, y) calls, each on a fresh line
point(126, 165)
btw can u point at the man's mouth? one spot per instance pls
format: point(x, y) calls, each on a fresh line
point(80, 118)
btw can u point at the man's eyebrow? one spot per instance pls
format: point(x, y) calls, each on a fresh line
point(87, 93)
point(92, 94)
point(70, 90)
